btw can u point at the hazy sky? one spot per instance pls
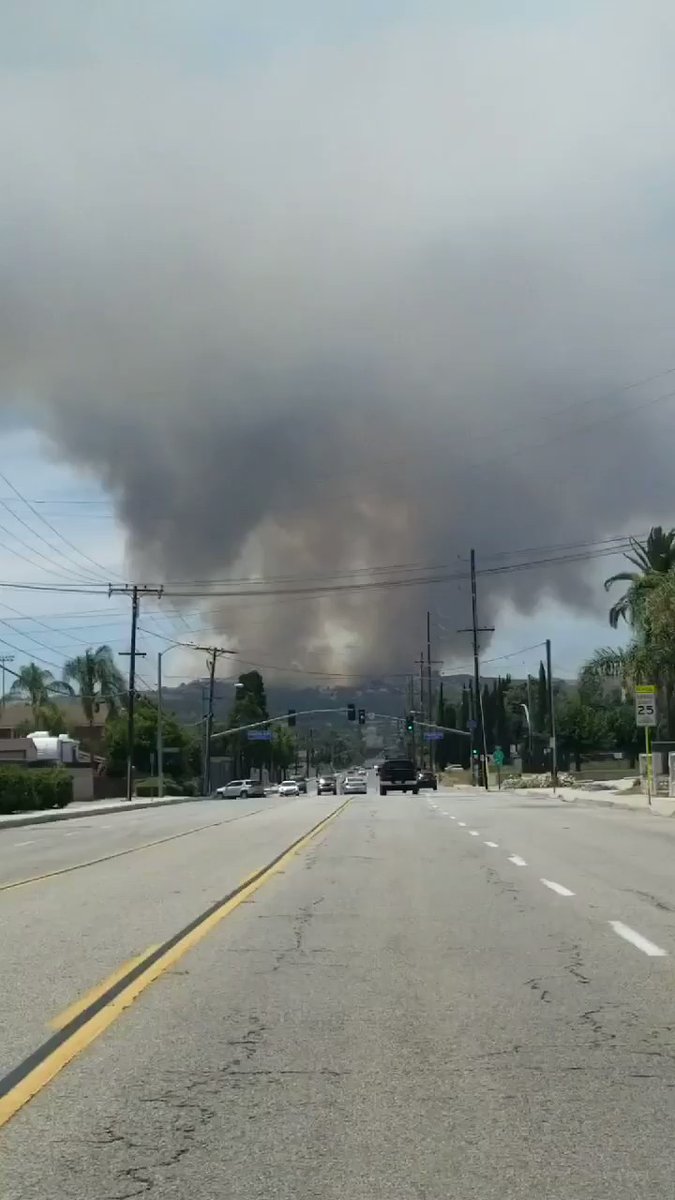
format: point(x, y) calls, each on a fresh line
point(323, 288)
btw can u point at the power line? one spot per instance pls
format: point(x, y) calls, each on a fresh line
point(99, 566)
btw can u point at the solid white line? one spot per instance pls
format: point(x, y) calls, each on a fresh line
point(636, 939)
point(556, 887)
point(517, 860)
point(462, 823)
point(473, 833)
point(30, 843)
point(492, 845)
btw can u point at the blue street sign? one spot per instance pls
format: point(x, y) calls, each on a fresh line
point(473, 725)
point(433, 735)
point(259, 735)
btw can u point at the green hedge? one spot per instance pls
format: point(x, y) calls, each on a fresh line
point(23, 789)
point(150, 787)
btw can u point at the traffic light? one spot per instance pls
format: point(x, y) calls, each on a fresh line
point(362, 716)
point(291, 718)
point(351, 712)
point(410, 724)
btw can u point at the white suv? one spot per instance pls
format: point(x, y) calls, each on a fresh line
point(243, 788)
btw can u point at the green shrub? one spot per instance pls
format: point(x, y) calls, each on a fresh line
point(149, 787)
point(24, 789)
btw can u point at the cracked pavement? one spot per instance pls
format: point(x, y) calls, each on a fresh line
point(399, 1013)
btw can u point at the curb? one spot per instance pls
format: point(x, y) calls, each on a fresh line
point(599, 801)
point(47, 816)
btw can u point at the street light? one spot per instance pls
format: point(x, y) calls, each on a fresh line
point(160, 745)
point(529, 731)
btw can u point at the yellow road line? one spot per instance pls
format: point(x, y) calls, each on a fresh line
point(93, 862)
point(85, 1001)
point(31, 1076)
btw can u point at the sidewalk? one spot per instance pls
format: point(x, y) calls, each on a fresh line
point(97, 808)
point(661, 806)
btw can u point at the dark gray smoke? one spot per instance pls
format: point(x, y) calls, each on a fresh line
point(354, 307)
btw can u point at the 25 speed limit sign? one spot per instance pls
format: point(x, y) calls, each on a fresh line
point(645, 705)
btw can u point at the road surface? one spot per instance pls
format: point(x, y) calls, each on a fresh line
point(445, 996)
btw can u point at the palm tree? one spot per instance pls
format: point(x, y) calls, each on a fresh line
point(36, 684)
point(98, 680)
point(650, 655)
point(653, 558)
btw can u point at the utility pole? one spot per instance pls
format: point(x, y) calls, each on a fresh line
point(551, 718)
point(420, 663)
point(4, 659)
point(215, 652)
point(478, 707)
point(430, 715)
point(160, 743)
point(135, 592)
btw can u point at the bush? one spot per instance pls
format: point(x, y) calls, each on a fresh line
point(23, 789)
point(149, 787)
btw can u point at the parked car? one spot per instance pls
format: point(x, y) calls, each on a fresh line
point(398, 775)
point(326, 785)
point(354, 785)
point(427, 779)
point(289, 788)
point(243, 788)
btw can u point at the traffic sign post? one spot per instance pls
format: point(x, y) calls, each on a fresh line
point(646, 718)
point(498, 760)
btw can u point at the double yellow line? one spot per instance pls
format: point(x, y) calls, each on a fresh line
point(86, 1021)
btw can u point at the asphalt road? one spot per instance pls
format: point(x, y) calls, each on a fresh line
point(36, 849)
point(444, 996)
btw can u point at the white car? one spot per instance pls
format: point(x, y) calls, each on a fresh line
point(242, 788)
point(353, 785)
point(289, 788)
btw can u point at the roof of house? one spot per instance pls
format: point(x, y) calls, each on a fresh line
point(16, 712)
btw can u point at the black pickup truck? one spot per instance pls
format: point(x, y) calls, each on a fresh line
point(398, 775)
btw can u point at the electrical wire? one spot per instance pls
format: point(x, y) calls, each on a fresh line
point(92, 561)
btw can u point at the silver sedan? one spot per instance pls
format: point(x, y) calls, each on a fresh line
point(353, 785)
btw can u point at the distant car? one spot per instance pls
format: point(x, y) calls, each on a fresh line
point(326, 785)
point(427, 779)
point(242, 788)
point(289, 788)
point(398, 775)
point(301, 782)
point(361, 771)
point(354, 785)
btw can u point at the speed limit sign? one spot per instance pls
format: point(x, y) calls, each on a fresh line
point(645, 705)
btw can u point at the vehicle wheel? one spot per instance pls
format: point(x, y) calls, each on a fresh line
point(416, 791)
point(383, 791)
point(243, 795)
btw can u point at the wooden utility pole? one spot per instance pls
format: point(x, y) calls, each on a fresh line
point(133, 590)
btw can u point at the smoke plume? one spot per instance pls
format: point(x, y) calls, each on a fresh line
point(352, 306)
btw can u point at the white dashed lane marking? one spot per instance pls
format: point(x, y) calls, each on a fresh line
point(462, 823)
point(636, 939)
point(473, 833)
point(558, 888)
point(492, 845)
point(517, 860)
